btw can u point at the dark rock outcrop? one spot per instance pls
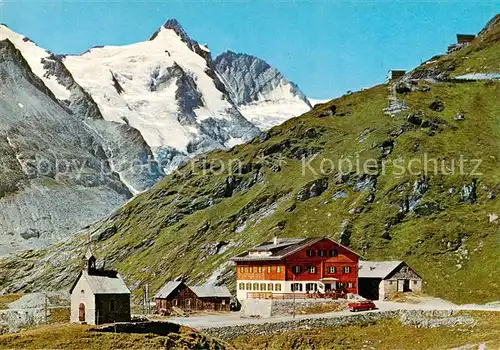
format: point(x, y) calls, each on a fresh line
point(312, 189)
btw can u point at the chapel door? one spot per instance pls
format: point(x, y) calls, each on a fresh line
point(81, 312)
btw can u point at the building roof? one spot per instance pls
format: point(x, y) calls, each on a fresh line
point(211, 291)
point(103, 282)
point(280, 250)
point(376, 269)
point(201, 291)
point(167, 289)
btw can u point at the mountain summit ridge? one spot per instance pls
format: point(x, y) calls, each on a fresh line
point(154, 103)
point(288, 182)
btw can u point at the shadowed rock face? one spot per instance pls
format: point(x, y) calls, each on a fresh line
point(252, 78)
point(60, 161)
point(263, 95)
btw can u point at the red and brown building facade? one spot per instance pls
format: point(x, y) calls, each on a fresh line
point(296, 265)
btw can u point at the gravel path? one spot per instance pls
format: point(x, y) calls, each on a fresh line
point(234, 319)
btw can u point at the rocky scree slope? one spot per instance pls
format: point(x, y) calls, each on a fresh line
point(159, 99)
point(57, 173)
point(443, 224)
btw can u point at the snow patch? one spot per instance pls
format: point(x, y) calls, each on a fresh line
point(479, 76)
point(34, 55)
point(267, 114)
point(154, 113)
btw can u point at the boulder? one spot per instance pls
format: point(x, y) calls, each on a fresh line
point(312, 189)
point(328, 112)
point(414, 119)
point(437, 106)
point(468, 193)
point(311, 133)
point(30, 233)
point(338, 195)
point(370, 198)
point(493, 218)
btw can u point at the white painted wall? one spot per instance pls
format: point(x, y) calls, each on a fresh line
point(286, 287)
point(83, 294)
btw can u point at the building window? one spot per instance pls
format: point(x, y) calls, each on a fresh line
point(270, 287)
point(311, 269)
point(242, 286)
point(332, 269)
point(249, 286)
point(255, 286)
point(242, 269)
point(346, 269)
point(414, 281)
point(175, 302)
point(334, 252)
point(296, 287)
point(322, 252)
point(259, 269)
point(296, 269)
point(277, 287)
point(250, 269)
point(310, 252)
point(340, 285)
point(269, 269)
point(390, 282)
point(263, 287)
point(350, 285)
point(82, 291)
point(112, 305)
point(278, 269)
point(311, 287)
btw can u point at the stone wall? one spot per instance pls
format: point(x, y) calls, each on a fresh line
point(416, 318)
point(286, 307)
point(265, 308)
point(256, 307)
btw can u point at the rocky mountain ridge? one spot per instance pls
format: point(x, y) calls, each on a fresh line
point(288, 182)
point(262, 93)
point(53, 160)
point(143, 110)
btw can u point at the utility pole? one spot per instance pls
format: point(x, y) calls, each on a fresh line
point(146, 296)
point(294, 290)
point(46, 309)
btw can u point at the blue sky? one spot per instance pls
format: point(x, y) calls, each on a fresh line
point(326, 47)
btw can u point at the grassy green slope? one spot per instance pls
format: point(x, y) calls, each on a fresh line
point(193, 221)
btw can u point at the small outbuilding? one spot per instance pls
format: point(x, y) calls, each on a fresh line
point(395, 74)
point(465, 38)
point(378, 279)
point(99, 296)
point(177, 294)
point(462, 41)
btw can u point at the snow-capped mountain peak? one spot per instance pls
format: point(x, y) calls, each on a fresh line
point(166, 88)
point(35, 56)
point(263, 95)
